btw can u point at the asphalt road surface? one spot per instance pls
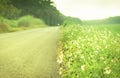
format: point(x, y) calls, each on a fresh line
point(29, 53)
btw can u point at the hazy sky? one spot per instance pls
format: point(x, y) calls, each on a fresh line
point(89, 9)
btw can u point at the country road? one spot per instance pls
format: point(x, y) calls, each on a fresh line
point(29, 53)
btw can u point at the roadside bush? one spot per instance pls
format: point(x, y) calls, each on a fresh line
point(30, 21)
point(23, 23)
point(3, 27)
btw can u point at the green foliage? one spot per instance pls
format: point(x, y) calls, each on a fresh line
point(25, 22)
point(3, 27)
point(30, 21)
point(41, 9)
point(89, 52)
point(71, 20)
point(94, 22)
point(110, 20)
point(8, 10)
point(51, 16)
point(113, 20)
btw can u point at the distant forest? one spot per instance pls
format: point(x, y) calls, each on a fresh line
point(110, 20)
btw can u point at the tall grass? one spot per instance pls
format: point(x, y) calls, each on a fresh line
point(89, 52)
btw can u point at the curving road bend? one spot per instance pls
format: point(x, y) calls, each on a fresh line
point(29, 53)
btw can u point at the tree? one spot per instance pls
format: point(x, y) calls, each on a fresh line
point(39, 8)
point(113, 20)
point(71, 20)
point(42, 9)
point(8, 10)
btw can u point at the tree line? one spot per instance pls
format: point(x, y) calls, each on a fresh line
point(109, 20)
point(43, 9)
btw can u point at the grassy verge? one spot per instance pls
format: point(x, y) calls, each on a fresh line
point(90, 52)
point(23, 23)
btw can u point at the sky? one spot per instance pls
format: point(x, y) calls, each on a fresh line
point(88, 9)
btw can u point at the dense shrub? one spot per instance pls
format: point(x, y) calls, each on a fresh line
point(30, 21)
point(3, 27)
point(25, 22)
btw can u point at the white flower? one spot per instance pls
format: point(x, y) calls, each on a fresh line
point(96, 52)
point(82, 57)
point(60, 71)
point(83, 67)
point(102, 58)
point(105, 62)
point(60, 58)
point(107, 70)
point(68, 64)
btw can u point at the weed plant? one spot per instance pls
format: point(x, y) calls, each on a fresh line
point(89, 52)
